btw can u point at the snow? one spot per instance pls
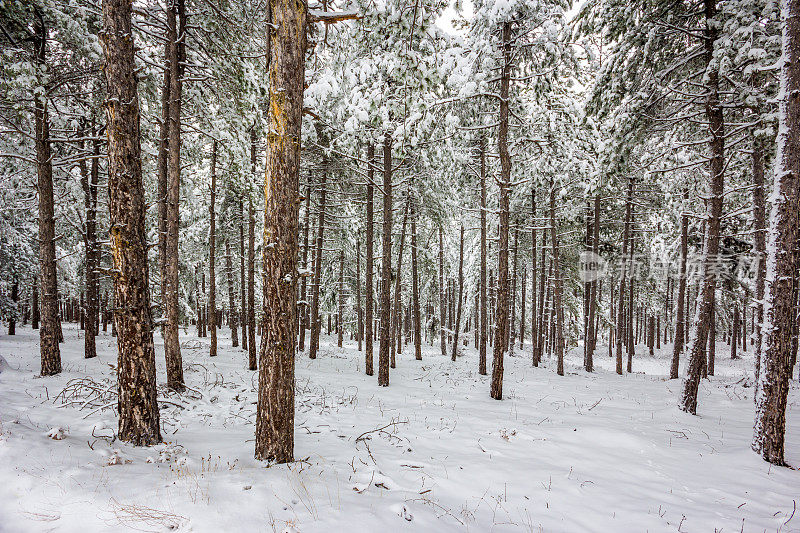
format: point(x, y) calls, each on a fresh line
point(432, 452)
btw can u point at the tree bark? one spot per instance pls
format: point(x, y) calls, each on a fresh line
point(415, 288)
point(316, 322)
point(233, 320)
point(397, 306)
point(359, 313)
point(275, 416)
point(251, 262)
point(442, 296)
point(484, 318)
point(680, 317)
point(779, 298)
point(386, 265)
point(534, 319)
point(340, 314)
point(242, 274)
point(172, 348)
point(705, 297)
point(368, 281)
point(760, 246)
point(136, 365)
point(557, 286)
point(620, 333)
point(504, 182)
point(163, 153)
point(303, 311)
point(50, 322)
point(89, 181)
point(460, 293)
point(212, 241)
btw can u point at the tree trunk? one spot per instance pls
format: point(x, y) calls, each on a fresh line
point(50, 322)
point(680, 317)
point(242, 275)
point(316, 322)
point(136, 364)
point(359, 313)
point(368, 281)
point(251, 260)
point(396, 313)
point(592, 333)
point(233, 320)
point(89, 182)
point(735, 337)
point(212, 241)
point(163, 153)
point(484, 309)
point(540, 328)
point(712, 341)
point(415, 288)
point(779, 306)
point(534, 318)
point(172, 348)
point(460, 293)
point(759, 246)
point(504, 182)
point(303, 310)
point(275, 417)
point(386, 265)
point(620, 330)
point(12, 320)
point(340, 315)
point(557, 286)
point(512, 334)
point(705, 297)
point(35, 304)
point(442, 296)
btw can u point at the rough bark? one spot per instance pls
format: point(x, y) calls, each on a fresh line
point(415, 288)
point(759, 246)
point(316, 322)
point(442, 296)
point(620, 333)
point(89, 181)
point(275, 415)
point(340, 312)
point(705, 297)
point(397, 306)
point(484, 318)
point(534, 320)
point(136, 365)
point(303, 311)
point(212, 241)
point(233, 319)
point(386, 265)
point(252, 358)
point(163, 152)
point(557, 287)
point(460, 293)
point(172, 348)
point(504, 183)
point(368, 281)
point(680, 316)
point(242, 274)
point(779, 298)
point(49, 313)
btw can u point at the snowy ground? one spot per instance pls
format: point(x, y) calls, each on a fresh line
point(581, 452)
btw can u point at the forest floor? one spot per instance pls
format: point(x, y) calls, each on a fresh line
point(582, 452)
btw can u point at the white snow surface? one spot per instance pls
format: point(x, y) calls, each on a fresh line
point(582, 452)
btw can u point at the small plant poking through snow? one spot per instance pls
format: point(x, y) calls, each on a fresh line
point(117, 459)
point(508, 433)
point(57, 433)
